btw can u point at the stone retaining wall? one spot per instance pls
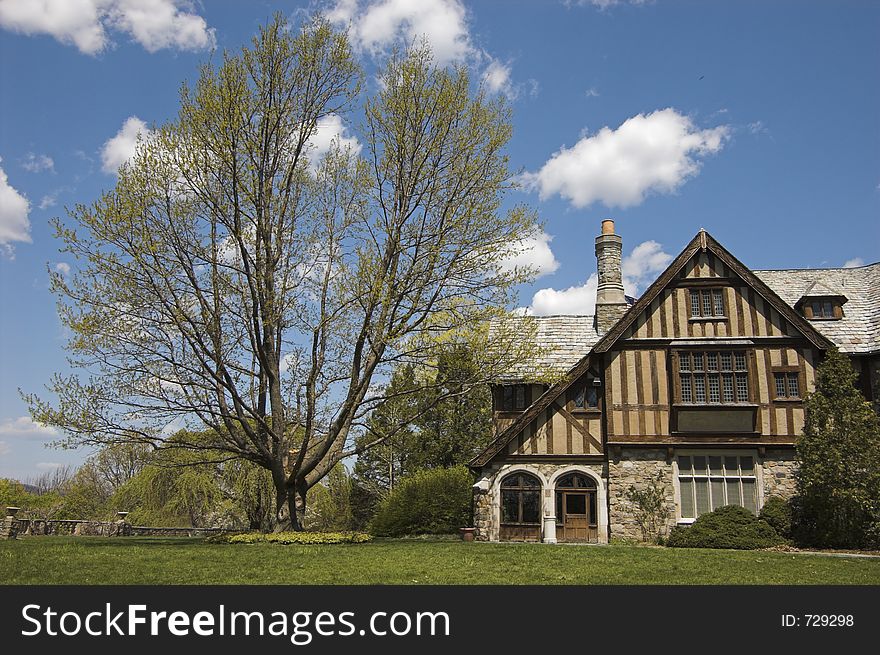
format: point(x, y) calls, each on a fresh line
point(40, 527)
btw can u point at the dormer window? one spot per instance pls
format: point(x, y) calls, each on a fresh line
point(829, 308)
point(821, 302)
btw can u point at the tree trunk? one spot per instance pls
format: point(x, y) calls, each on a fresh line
point(296, 504)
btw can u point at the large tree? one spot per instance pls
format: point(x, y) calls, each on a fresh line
point(234, 281)
point(838, 480)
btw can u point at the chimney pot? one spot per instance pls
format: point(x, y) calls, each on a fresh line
point(608, 226)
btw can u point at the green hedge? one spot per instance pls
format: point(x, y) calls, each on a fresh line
point(300, 538)
point(434, 501)
point(778, 513)
point(727, 527)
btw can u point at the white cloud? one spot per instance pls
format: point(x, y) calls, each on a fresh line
point(647, 153)
point(63, 268)
point(14, 208)
point(639, 269)
point(573, 300)
point(496, 78)
point(534, 252)
point(155, 24)
point(24, 426)
point(120, 148)
point(591, 92)
point(49, 466)
point(642, 265)
point(330, 128)
point(855, 262)
point(49, 200)
point(38, 163)
point(376, 26)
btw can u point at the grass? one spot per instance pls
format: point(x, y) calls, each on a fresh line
point(135, 560)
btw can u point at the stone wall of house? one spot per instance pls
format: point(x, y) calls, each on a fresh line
point(638, 467)
point(780, 468)
point(482, 514)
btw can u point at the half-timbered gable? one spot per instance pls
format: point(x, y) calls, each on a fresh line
point(697, 386)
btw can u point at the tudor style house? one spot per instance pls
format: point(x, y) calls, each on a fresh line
point(697, 386)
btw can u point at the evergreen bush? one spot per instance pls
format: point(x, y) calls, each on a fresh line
point(436, 501)
point(778, 513)
point(730, 526)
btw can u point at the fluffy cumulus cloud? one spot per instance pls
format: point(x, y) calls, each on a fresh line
point(330, 128)
point(376, 25)
point(63, 268)
point(154, 24)
point(120, 148)
point(855, 262)
point(579, 299)
point(25, 426)
point(639, 269)
point(533, 252)
point(14, 208)
point(656, 153)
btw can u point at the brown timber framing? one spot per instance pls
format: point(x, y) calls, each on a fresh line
point(543, 402)
point(676, 275)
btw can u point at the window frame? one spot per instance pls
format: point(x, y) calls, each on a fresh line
point(756, 476)
point(518, 400)
point(519, 490)
point(586, 389)
point(809, 304)
point(706, 303)
point(708, 372)
point(789, 373)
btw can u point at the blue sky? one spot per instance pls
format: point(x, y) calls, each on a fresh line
point(759, 121)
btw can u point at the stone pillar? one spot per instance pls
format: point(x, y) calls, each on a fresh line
point(610, 299)
point(482, 510)
point(121, 528)
point(550, 529)
point(9, 527)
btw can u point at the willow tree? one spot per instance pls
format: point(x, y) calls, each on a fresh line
point(237, 284)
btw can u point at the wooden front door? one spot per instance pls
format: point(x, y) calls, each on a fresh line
point(578, 520)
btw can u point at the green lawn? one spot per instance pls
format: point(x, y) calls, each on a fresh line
point(134, 560)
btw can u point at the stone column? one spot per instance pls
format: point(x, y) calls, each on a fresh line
point(549, 517)
point(9, 527)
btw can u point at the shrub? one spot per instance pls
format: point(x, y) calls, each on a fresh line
point(436, 501)
point(299, 538)
point(651, 510)
point(778, 513)
point(727, 527)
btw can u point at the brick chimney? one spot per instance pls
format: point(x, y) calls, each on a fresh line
point(610, 301)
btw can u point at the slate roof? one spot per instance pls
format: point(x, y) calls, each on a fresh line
point(859, 329)
point(563, 341)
